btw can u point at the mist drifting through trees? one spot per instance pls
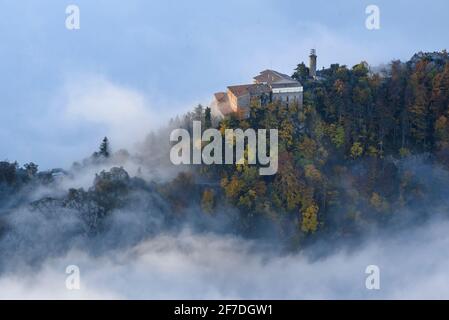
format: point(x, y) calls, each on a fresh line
point(362, 179)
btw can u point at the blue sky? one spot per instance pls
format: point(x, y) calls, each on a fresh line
point(135, 63)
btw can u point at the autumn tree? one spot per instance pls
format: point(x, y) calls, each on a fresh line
point(419, 107)
point(208, 201)
point(309, 222)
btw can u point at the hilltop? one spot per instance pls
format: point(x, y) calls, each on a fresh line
point(364, 151)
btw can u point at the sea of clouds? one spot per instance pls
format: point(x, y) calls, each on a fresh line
point(187, 265)
point(136, 258)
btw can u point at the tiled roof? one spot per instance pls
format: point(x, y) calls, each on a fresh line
point(220, 96)
point(253, 89)
point(239, 90)
point(272, 76)
point(257, 89)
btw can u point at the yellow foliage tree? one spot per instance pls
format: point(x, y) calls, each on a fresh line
point(208, 201)
point(404, 152)
point(233, 187)
point(378, 202)
point(312, 173)
point(308, 148)
point(310, 219)
point(442, 128)
point(356, 150)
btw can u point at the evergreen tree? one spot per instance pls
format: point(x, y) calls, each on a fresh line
point(31, 169)
point(207, 118)
point(198, 114)
point(301, 72)
point(104, 148)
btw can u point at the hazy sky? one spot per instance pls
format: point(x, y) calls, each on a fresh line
point(135, 63)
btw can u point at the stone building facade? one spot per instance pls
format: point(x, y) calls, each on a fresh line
point(269, 85)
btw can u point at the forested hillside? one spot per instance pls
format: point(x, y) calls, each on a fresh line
point(348, 159)
point(367, 150)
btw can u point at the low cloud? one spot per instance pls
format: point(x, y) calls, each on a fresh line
point(122, 112)
point(199, 266)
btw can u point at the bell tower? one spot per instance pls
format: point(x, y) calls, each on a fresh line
point(312, 63)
